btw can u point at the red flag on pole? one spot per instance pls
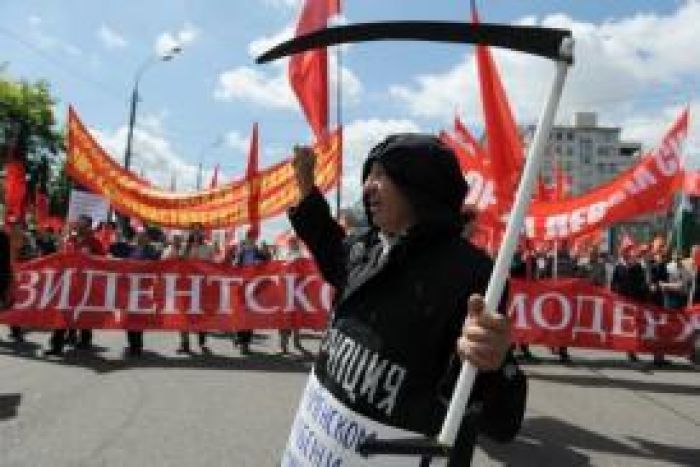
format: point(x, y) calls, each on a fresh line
point(254, 195)
point(15, 184)
point(470, 142)
point(691, 182)
point(544, 192)
point(562, 184)
point(308, 71)
point(503, 142)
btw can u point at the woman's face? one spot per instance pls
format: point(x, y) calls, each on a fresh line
point(389, 207)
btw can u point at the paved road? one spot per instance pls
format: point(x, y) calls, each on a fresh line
point(222, 409)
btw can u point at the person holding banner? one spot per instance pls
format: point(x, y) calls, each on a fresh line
point(629, 280)
point(85, 242)
point(389, 359)
point(5, 271)
point(196, 248)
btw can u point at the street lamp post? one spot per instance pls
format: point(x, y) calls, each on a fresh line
point(169, 55)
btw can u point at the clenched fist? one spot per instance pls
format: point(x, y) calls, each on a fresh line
point(304, 162)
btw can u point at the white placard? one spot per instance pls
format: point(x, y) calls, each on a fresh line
point(326, 433)
point(88, 204)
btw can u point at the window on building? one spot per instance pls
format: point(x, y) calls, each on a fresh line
point(603, 151)
point(586, 150)
point(569, 135)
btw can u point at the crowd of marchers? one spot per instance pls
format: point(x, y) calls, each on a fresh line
point(648, 273)
point(142, 244)
point(651, 273)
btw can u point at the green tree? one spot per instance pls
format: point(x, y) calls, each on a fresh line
point(27, 119)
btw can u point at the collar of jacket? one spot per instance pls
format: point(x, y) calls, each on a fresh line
point(418, 238)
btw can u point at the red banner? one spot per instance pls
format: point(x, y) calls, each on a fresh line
point(646, 187)
point(573, 313)
point(72, 290)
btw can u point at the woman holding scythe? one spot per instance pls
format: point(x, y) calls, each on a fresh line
point(388, 362)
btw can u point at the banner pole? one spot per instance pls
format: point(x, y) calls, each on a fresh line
point(339, 124)
point(467, 375)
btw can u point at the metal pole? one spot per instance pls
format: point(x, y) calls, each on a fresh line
point(339, 125)
point(132, 122)
point(467, 376)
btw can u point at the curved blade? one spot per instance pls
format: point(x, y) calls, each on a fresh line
point(544, 42)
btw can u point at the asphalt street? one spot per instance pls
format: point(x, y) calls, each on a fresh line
point(224, 409)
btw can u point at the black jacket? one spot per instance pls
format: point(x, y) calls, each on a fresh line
point(629, 281)
point(389, 352)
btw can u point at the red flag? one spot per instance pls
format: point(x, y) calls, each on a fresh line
point(503, 142)
point(544, 192)
point(470, 143)
point(308, 71)
point(691, 182)
point(15, 184)
point(254, 195)
point(562, 183)
point(214, 178)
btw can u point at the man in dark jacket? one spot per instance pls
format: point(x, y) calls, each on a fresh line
point(5, 270)
point(387, 364)
point(629, 281)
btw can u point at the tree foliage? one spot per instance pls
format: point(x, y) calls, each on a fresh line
point(27, 120)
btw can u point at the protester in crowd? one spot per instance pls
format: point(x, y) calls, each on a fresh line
point(22, 248)
point(675, 288)
point(656, 273)
point(293, 253)
point(249, 253)
point(694, 295)
point(143, 250)
point(654, 265)
point(174, 249)
point(85, 242)
point(196, 248)
point(543, 265)
point(231, 254)
point(519, 270)
point(562, 266)
point(46, 242)
point(629, 280)
point(403, 289)
point(594, 268)
point(6, 277)
point(122, 246)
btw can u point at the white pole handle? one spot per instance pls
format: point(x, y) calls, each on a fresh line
point(501, 268)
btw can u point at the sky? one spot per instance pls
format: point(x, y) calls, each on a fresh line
point(637, 65)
